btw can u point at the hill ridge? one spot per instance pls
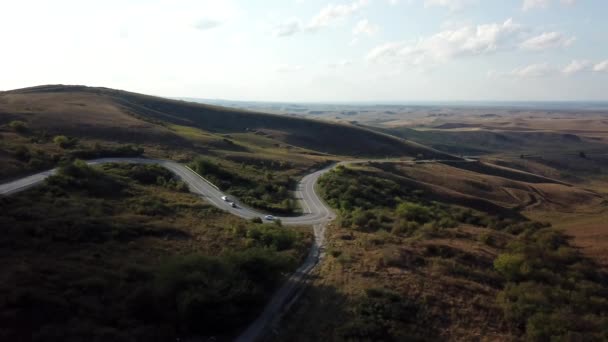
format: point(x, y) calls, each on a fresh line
point(322, 136)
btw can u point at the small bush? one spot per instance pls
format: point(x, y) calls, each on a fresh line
point(239, 230)
point(447, 222)
point(22, 153)
point(382, 315)
point(18, 126)
point(413, 212)
point(402, 227)
point(487, 239)
point(65, 142)
point(272, 236)
point(509, 265)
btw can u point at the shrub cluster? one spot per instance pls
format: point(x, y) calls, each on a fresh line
point(383, 315)
point(78, 293)
point(346, 189)
point(147, 174)
point(99, 151)
point(79, 176)
point(35, 159)
point(267, 192)
point(209, 295)
point(552, 292)
point(270, 236)
point(65, 142)
point(18, 126)
point(370, 203)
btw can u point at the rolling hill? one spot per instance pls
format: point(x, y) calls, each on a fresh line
point(122, 116)
point(482, 141)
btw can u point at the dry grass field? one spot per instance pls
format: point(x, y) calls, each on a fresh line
point(448, 272)
point(580, 210)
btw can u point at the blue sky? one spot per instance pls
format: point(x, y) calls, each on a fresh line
point(313, 50)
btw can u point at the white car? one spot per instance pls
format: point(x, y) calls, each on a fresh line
point(225, 198)
point(232, 204)
point(269, 217)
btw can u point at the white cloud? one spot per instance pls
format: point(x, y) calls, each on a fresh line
point(332, 13)
point(440, 47)
point(288, 28)
point(340, 64)
point(533, 71)
point(601, 66)
point(547, 40)
point(540, 70)
point(364, 27)
point(576, 66)
point(327, 16)
point(533, 4)
point(285, 68)
point(206, 24)
point(385, 51)
point(451, 4)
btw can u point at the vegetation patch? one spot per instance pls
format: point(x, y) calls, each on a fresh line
point(259, 188)
point(383, 315)
point(551, 291)
point(373, 200)
point(441, 272)
point(121, 252)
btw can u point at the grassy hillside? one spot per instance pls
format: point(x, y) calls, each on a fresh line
point(261, 155)
point(121, 253)
point(129, 117)
point(406, 262)
point(480, 141)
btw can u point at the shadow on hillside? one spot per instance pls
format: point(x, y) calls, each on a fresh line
point(439, 194)
point(324, 313)
point(313, 317)
point(498, 171)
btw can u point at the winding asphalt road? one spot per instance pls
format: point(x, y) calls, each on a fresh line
point(315, 213)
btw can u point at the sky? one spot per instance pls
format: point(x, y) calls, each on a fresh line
point(312, 50)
